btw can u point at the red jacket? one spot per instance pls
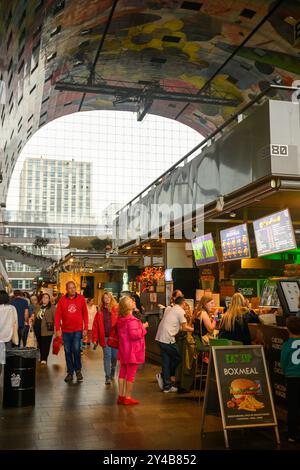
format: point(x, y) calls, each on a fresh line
point(98, 332)
point(71, 314)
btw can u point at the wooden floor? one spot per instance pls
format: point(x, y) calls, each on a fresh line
point(85, 416)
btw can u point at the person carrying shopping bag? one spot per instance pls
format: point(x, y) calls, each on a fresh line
point(131, 333)
point(104, 321)
point(42, 321)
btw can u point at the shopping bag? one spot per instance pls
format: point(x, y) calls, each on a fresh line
point(15, 335)
point(113, 339)
point(31, 339)
point(57, 343)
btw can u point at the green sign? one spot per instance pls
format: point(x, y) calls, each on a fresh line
point(204, 250)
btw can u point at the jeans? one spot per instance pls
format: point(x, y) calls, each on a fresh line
point(293, 404)
point(109, 360)
point(72, 344)
point(171, 359)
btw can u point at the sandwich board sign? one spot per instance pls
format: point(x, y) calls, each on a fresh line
point(238, 386)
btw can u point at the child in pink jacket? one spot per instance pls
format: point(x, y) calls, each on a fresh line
point(131, 352)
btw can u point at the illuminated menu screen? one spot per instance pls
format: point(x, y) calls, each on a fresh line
point(235, 243)
point(204, 250)
point(274, 233)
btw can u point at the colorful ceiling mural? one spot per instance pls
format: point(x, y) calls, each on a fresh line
point(239, 47)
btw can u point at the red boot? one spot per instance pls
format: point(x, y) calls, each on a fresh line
point(120, 400)
point(130, 401)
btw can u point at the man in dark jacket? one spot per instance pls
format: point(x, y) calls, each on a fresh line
point(21, 305)
point(71, 321)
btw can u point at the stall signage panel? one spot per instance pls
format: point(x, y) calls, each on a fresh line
point(273, 339)
point(243, 386)
point(274, 233)
point(204, 250)
point(235, 243)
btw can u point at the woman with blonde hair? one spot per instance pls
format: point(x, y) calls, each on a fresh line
point(131, 333)
point(234, 324)
point(104, 321)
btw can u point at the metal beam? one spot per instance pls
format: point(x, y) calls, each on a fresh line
point(141, 93)
point(93, 68)
point(143, 108)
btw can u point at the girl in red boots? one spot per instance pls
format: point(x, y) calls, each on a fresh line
point(131, 353)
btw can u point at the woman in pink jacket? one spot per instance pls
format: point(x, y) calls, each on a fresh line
point(131, 353)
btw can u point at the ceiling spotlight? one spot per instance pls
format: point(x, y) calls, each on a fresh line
point(232, 214)
point(148, 247)
point(71, 260)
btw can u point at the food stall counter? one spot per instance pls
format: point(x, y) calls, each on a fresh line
point(272, 338)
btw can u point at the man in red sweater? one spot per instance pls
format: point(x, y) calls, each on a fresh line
point(71, 321)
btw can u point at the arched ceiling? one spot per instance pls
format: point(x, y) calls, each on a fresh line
point(220, 49)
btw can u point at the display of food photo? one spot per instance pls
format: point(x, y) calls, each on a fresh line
point(243, 392)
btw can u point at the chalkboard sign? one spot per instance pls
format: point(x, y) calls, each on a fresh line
point(240, 376)
point(274, 233)
point(235, 243)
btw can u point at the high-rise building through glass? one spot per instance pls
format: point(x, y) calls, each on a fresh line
point(60, 190)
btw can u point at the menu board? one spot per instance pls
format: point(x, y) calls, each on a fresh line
point(204, 250)
point(274, 233)
point(235, 243)
point(244, 388)
point(238, 384)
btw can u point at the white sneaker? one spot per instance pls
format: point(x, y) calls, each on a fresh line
point(171, 390)
point(43, 362)
point(160, 381)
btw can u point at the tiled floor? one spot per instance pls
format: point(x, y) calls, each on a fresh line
point(85, 416)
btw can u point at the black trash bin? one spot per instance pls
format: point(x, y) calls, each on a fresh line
point(19, 377)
